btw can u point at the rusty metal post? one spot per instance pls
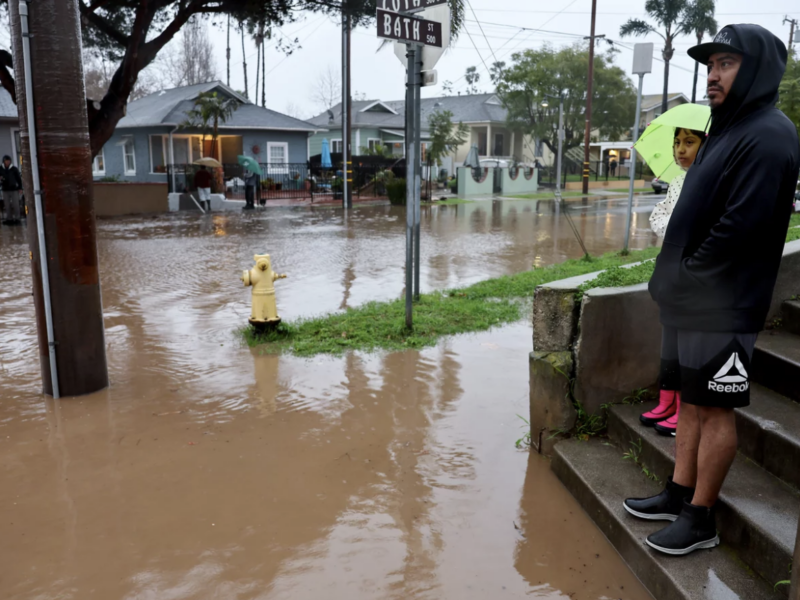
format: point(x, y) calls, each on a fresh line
point(65, 167)
point(587, 134)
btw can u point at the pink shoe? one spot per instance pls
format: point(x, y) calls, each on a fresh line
point(667, 407)
point(670, 426)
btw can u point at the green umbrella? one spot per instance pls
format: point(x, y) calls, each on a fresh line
point(655, 145)
point(250, 164)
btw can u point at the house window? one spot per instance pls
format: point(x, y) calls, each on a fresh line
point(129, 156)
point(373, 143)
point(277, 156)
point(99, 165)
point(398, 148)
point(157, 155)
point(336, 147)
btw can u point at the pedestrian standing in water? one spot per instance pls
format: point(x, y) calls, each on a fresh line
point(716, 273)
point(202, 183)
point(12, 184)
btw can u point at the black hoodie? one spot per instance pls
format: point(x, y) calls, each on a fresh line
point(725, 239)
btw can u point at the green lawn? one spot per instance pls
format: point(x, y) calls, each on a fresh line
point(381, 325)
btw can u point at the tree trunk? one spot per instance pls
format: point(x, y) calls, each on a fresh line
point(258, 71)
point(228, 52)
point(665, 97)
point(264, 77)
point(696, 70)
point(64, 160)
point(244, 62)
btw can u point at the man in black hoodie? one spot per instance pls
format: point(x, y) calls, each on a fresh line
point(716, 273)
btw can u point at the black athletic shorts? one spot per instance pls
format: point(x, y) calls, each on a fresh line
point(708, 368)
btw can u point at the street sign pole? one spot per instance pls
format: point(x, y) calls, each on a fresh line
point(642, 64)
point(410, 182)
point(417, 165)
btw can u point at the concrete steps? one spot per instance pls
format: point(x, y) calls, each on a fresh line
point(757, 512)
point(776, 362)
point(596, 474)
point(790, 314)
point(769, 433)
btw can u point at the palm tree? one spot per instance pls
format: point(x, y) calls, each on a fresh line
point(210, 109)
point(700, 20)
point(670, 15)
point(244, 61)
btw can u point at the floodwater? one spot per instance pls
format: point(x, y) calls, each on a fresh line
point(211, 471)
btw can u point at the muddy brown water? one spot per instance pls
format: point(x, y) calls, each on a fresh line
point(210, 470)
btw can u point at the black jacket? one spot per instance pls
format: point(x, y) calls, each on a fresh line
point(725, 239)
point(12, 182)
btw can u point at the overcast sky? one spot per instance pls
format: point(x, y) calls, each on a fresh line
point(381, 75)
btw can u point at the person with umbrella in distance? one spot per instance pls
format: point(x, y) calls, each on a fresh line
point(252, 177)
point(714, 278)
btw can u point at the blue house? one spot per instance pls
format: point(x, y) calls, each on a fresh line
point(150, 136)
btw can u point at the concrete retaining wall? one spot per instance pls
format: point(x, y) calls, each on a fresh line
point(520, 185)
point(467, 186)
point(114, 199)
point(611, 341)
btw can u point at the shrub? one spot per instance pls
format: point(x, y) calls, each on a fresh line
point(396, 190)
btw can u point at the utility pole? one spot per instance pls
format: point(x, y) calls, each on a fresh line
point(588, 133)
point(57, 179)
point(347, 114)
point(793, 25)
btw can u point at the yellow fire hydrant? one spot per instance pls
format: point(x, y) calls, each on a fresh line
point(262, 278)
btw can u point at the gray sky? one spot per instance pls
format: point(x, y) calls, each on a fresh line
point(380, 75)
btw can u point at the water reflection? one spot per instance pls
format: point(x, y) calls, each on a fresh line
point(210, 470)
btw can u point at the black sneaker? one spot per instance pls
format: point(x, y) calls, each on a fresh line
point(695, 528)
point(666, 506)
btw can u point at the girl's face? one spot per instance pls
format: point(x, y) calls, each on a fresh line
point(686, 146)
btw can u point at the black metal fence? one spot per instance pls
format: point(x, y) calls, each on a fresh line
point(287, 181)
point(598, 171)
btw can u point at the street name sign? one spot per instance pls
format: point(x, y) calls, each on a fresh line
point(404, 28)
point(408, 6)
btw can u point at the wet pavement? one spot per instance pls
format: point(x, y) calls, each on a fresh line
point(210, 470)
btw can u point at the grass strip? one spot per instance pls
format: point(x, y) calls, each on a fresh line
point(381, 325)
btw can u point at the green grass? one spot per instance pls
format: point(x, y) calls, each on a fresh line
point(794, 234)
point(381, 325)
point(620, 277)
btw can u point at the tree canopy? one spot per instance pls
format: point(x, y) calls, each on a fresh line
point(446, 136)
point(789, 89)
point(524, 84)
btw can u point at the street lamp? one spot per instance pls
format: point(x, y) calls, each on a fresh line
point(560, 134)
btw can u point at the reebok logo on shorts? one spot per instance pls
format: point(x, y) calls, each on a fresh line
point(731, 378)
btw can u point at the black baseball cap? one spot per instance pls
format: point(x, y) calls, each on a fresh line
point(725, 41)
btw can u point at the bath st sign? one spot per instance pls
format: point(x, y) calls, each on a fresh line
point(408, 6)
point(404, 28)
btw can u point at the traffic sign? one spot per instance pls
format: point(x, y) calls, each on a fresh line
point(430, 54)
point(408, 6)
point(408, 29)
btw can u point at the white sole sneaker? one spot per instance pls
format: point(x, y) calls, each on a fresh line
point(649, 517)
point(684, 551)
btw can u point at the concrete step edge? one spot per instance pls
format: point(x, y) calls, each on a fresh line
point(769, 433)
point(776, 363)
point(597, 476)
point(757, 514)
point(790, 315)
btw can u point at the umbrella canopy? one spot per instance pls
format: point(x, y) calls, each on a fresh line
point(656, 143)
point(473, 159)
point(250, 164)
point(208, 162)
point(326, 155)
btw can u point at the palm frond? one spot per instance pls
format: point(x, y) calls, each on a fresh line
point(636, 27)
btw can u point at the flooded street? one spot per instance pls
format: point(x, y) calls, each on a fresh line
point(212, 471)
